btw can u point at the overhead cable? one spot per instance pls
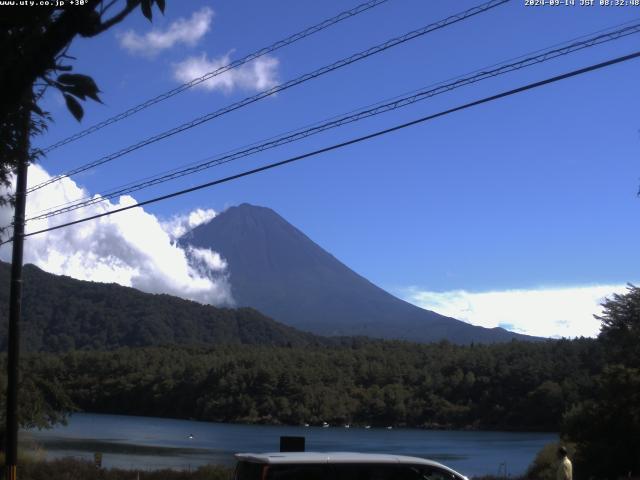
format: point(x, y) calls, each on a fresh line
point(363, 7)
point(337, 146)
point(396, 103)
point(279, 88)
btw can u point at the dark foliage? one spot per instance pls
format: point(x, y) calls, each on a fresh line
point(42, 399)
point(262, 371)
point(620, 330)
point(34, 42)
point(61, 313)
point(606, 424)
point(523, 386)
point(72, 469)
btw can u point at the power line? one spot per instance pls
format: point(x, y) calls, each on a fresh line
point(613, 34)
point(366, 112)
point(219, 71)
point(450, 79)
point(353, 141)
point(281, 87)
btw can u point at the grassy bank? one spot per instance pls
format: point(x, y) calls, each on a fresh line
point(74, 469)
point(33, 466)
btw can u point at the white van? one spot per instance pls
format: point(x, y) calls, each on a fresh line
point(339, 466)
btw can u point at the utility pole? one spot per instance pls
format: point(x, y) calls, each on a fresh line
point(15, 298)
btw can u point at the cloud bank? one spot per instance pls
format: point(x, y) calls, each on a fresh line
point(132, 248)
point(182, 31)
point(546, 312)
point(178, 225)
point(259, 74)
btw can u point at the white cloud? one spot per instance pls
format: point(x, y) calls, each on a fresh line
point(259, 74)
point(130, 248)
point(546, 312)
point(185, 31)
point(178, 225)
point(209, 259)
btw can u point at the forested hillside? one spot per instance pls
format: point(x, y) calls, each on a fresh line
point(60, 313)
point(516, 386)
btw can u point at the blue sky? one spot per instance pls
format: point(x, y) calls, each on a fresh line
point(532, 193)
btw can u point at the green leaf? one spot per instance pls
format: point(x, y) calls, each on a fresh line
point(145, 5)
point(79, 85)
point(161, 5)
point(73, 90)
point(74, 107)
point(68, 78)
point(94, 96)
point(78, 79)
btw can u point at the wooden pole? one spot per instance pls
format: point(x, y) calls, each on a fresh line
point(15, 298)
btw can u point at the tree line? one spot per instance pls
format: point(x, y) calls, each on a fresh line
point(61, 313)
point(514, 386)
point(587, 389)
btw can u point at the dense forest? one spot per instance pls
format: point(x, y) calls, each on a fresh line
point(237, 366)
point(518, 385)
point(62, 314)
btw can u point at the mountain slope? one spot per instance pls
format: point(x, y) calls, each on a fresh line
point(60, 313)
point(278, 270)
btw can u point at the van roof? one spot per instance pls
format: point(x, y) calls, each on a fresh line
point(334, 457)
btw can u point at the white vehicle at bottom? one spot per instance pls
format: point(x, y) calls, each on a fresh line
point(339, 466)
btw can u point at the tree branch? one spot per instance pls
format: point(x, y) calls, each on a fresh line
point(131, 6)
point(105, 8)
point(39, 55)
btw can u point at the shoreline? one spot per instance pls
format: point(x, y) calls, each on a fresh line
point(150, 443)
point(435, 427)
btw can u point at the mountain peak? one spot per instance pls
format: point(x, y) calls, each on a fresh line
point(248, 212)
point(277, 269)
point(248, 207)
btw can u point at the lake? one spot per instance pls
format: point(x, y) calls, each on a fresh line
point(148, 443)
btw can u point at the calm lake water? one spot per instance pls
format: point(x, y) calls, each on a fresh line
point(148, 443)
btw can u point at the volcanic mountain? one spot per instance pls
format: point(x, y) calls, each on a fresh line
point(278, 270)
